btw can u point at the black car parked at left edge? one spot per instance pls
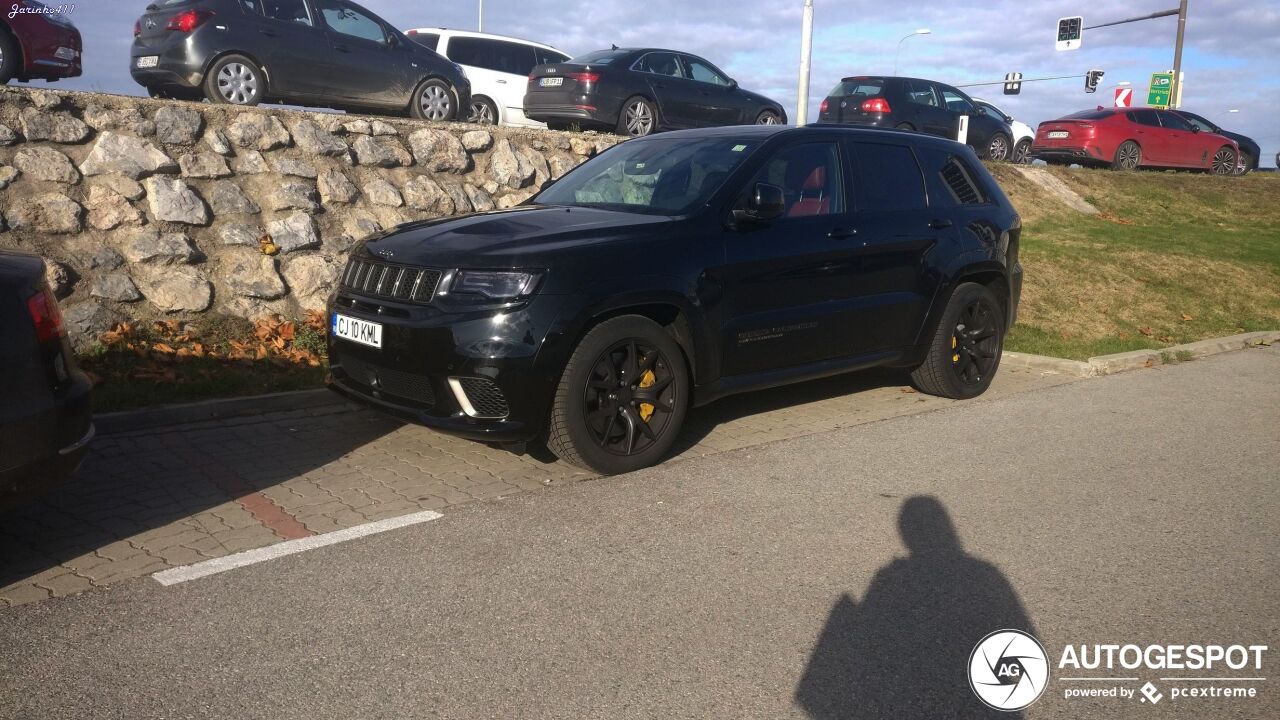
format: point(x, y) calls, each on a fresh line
point(638, 91)
point(325, 53)
point(45, 414)
point(1250, 151)
point(676, 269)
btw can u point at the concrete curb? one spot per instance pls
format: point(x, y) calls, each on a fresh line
point(168, 415)
point(1137, 359)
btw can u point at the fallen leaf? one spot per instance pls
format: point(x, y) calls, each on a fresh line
point(1146, 331)
point(1187, 318)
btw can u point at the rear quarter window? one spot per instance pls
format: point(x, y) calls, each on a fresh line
point(429, 40)
point(888, 178)
point(952, 179)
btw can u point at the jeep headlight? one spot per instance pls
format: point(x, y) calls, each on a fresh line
point(500, 285)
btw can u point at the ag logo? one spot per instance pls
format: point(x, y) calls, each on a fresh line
point(1008, 670)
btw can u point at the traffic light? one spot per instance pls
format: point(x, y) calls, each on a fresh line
point(1012, 83)
point(1070, 32)
point(1091, 80)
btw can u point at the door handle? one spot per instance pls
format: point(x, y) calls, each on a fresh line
point(841, 233)
point(940, 223)
point(501, 82)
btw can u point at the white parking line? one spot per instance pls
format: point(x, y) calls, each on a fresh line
point(173, 576)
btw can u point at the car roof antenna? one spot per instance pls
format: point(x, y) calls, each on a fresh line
point(613, 46)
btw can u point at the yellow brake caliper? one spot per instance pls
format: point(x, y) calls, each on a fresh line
point(647, 380)
point(956, 357)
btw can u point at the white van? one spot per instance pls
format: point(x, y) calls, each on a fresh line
point(497, 66)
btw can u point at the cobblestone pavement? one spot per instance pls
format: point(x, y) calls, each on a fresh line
point(155, 499)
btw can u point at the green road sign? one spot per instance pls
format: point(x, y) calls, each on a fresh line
point(1158, 92)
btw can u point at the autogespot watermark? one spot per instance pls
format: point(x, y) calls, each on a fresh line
point(1009, 670)
point(37, 8)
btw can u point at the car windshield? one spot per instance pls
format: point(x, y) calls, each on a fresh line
point(857, 86)
point(599, 57)
point(651, 177)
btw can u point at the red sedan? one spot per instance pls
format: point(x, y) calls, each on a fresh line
point(37, 41)
point(1130, 138)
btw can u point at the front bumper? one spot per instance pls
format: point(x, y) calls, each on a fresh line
point(484, 374)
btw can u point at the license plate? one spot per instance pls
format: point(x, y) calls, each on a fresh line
point(147, 61)
point(1058, 134)
point(356, 330)
point(551, 82)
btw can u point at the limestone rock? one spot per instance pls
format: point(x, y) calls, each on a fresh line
point(560, 163)
point(335, 187)
point(7, 175)
point(156, 248)
point(203, 165)
point(46, 99)
point(257, 130)
point(226, 198)
point(240, 234)
point(217, 142)
point(126, 155)
point(480, 200)
point(115, 286)
point(131, 189)
point(509, 167)
point(381, 192)
point(380, 153)
point(101, 118)
point(250, 163)
point(378, 127)
point(477, 140)
point(439, 151)
point(59, 127)
point(358, 127)
point(7, 136)
point(249, 273)
point(541, 173)
point(177, 125)
point(296, 232)
point(55, 273)
point(109, 209)
point(360, 226)
point(315, 140)
point(461, 201)
point(310, 279)
point(175, 289)
point(582, 146)
point(173, 200)
point(515, 198)
point(293, 196)
point(423, 193)
point(104, 258)
point(297, 168)
point(42, 163)
point(87, 321)
point(50, 213)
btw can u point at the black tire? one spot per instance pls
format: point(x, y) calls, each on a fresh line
point(604, 383)
point(1022, 152)
point(1247, 163)
point(998, 147)
point(768, 117)
point(10, 60)
point(1224, 161)
point(434, 100)
point(235, 80)
point(965, 351)
point(1128, 156)
point(904, 126)
point(637, 117)
point(483, 111)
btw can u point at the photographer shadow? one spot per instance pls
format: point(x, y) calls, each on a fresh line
point(904, 651)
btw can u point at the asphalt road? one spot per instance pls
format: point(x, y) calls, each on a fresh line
point(847, 574)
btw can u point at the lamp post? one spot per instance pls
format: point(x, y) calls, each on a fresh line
point(480, 18)
point(898, 52)
point(806, 50)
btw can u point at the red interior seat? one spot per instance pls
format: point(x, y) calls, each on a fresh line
point(814, 199)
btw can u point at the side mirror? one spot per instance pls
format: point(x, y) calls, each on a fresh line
point(1195, 129)
point(766, 203)
point(979, 110)
point(733, 84)
point(1008, 119)
point(393, 40)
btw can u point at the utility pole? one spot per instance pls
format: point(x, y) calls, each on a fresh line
point(806, 50)
point(480, 19)
point(1175, 92)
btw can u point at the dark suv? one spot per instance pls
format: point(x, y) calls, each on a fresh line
point(327, 53)
point(920, 105)
point(673, 270)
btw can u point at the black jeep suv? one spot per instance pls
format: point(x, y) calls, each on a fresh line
point(673, 270)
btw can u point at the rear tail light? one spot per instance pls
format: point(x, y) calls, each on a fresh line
point(188, 20)
point(584, 77)
point(137, 28)
point(876, 105)
point(826, 105)
point(46, 316)
point(410, 33)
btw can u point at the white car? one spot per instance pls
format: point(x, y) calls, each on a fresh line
point(1023, 134)
point(497, 66)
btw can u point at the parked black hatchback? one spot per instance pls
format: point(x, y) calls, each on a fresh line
point(921, 105)
point(327, 53)
point(638, 91)
point(670, 271)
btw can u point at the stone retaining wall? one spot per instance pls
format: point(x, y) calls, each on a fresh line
point(147, 208)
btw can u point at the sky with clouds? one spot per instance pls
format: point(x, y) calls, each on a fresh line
point(1231, 60)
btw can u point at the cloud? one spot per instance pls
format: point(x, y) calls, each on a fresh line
point(1229, 60)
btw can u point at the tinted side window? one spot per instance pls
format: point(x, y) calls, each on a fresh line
point(703, 72)
point(349, 21)
point(1174, 121)
point(920, 93)
point(1145, 117)
point(252, 6)
point(497, 55)
point(287, 11)
point(964, 188)
point(889, 178)
point(547, 57)
point(810, 178)
point(659, 64)
point(431, 40)
point(955, 100)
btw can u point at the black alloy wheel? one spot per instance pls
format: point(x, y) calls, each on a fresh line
point(622, 398)
point(965, 351)
point(1128, 156)
point(1224, 161)
point(1022, 152)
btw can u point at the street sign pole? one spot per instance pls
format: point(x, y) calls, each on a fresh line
point(806, 51)
point(1175, 96)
